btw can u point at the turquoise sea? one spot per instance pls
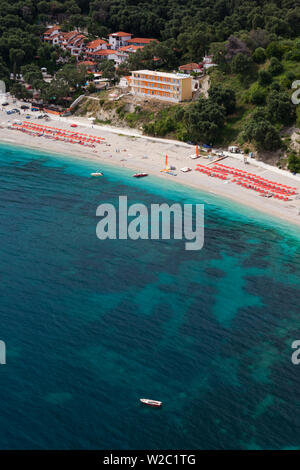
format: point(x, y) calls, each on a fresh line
point(91, 326)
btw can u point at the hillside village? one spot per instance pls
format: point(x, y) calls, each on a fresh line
point(119, 46)
point(214, 82)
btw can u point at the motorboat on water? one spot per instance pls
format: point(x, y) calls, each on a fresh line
point(140, 175)
point(148, 402)
point(97, 173)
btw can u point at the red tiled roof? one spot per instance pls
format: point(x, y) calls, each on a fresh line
point(70, 34)
point(76, 40)
point(87, 62)
point(94, 44)
point(190, 66)
point(50, 30)
point(120, 34)
point(141, 40)
point(130, 48)
point(104, 52)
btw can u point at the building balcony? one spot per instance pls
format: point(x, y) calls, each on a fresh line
point(172, 89)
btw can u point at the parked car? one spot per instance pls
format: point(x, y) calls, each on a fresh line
point(5, 103)
point(16, 110)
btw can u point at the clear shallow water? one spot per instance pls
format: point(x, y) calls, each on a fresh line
point(91, 326)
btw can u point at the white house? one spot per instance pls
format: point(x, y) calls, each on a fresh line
point(120, 57)
point(120, 39)
point(124, 82)
point(77, 45)
point(191, 67)
point(108, 54)
point(96, 45)
point(208, 62)
point(52, 33)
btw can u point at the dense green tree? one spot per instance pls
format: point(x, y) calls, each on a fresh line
point(203, 120)
point(257, 95)
point(16, 57)
point(294, 162)
point(224, 97)
point(293, 20)
point(4, 72)
point(31, 73)
point(19, 91)
point(107, 68)
point(241, 64)
point(218, 51)
point(275, 49)
point(275, 67)
point(293, 55)
point(55, 91)
point(258, 38)
point(264, 77)
point(72, 75)
point(261, 132)
point(259, 55)
point(280, 108)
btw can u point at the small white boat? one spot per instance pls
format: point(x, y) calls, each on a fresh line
point(185, 169)
point(97, 173)
point(140, 175)
point(148, 402)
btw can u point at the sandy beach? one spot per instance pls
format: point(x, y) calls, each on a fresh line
point(147, 154)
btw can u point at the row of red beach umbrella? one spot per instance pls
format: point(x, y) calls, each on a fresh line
point(260, 189)
point(54, 136)
point(258, 180)
point(249, 180)
point(85, 138)
point(209, 172)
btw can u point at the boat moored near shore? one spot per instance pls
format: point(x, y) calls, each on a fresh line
point(140, 175)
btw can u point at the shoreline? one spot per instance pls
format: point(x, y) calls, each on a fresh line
point(130, 152)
